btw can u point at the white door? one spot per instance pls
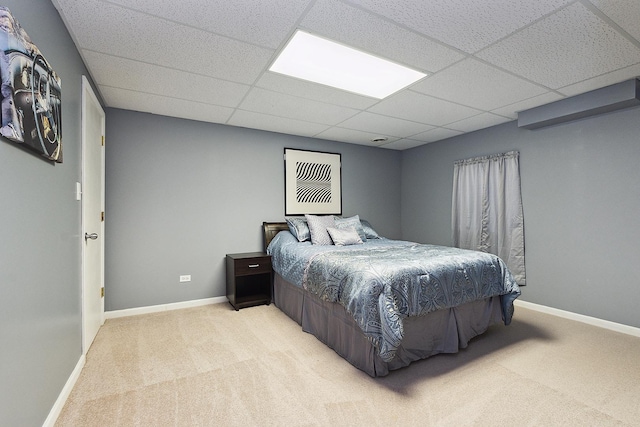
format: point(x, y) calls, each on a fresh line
point(93, 124)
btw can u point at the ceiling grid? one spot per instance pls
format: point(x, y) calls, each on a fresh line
point(485, 59)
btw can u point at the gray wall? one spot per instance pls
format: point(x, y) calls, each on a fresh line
point(40, 321)
point(581, 197)
point(181, 194)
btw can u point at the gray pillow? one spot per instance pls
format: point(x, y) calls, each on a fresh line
point(344, 236)
point(368, 230)
point(318, 227)
point(352, 221)
point(299, 228)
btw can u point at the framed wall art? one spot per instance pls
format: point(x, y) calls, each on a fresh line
point(31, 113)
point(312, 182)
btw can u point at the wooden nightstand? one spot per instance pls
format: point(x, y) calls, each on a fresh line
point(249, 277)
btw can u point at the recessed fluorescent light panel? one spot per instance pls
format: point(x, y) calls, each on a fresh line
point(319, 60)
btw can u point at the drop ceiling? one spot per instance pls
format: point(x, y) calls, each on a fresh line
point(486, 60)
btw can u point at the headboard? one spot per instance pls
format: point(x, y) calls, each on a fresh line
point(270, 231)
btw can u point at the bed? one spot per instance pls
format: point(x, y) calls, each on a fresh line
point(382, 304)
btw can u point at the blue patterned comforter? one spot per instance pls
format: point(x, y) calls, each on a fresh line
point(381, 282)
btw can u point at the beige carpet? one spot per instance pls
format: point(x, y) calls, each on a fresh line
point(213, 366)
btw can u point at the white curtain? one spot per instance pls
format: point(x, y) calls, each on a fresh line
point(486, 212)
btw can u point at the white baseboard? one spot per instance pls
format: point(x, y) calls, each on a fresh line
point(162, 307)
point(64, 394)
point(613, 326)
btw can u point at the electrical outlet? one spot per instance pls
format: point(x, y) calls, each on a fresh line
point(185, 278)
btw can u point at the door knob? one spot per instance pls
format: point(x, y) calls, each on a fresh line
point(92, 236)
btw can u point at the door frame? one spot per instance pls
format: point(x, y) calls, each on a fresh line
point(87, 91)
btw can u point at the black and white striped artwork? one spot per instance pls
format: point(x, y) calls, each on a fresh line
point(313, 182)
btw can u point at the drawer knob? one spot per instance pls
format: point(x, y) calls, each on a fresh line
point(254, 265)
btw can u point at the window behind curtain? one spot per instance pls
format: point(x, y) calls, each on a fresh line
point(486, 212)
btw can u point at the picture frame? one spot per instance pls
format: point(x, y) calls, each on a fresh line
point(313, 182)
point(31, 96)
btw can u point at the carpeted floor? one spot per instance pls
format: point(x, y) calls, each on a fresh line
point(213, 366)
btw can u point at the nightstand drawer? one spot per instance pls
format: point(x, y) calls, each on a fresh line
point(252, 266)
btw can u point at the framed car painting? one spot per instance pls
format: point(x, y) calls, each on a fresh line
point(31, 114)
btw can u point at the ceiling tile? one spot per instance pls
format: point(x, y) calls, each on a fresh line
point(602, 81)
point(265, 23)
point(224, 58)
point(625, 13)
point(292, 107)
point(250, 119)
point(512, 110)
point(154, 79)
point(480, 121)
point(478, 85)
point(165, 106)
point(436, 135)
point(402, 144)
point(376, 123)
point(305, 89)
point(353, 136)
point(422, 109)
point(569, 46)
point(468, 25)
point(357, 28)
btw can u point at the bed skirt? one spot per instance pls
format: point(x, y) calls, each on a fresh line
point(443, 331)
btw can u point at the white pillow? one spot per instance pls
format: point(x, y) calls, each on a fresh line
point(344, 236)
point(353, 221)
point(318, 227)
